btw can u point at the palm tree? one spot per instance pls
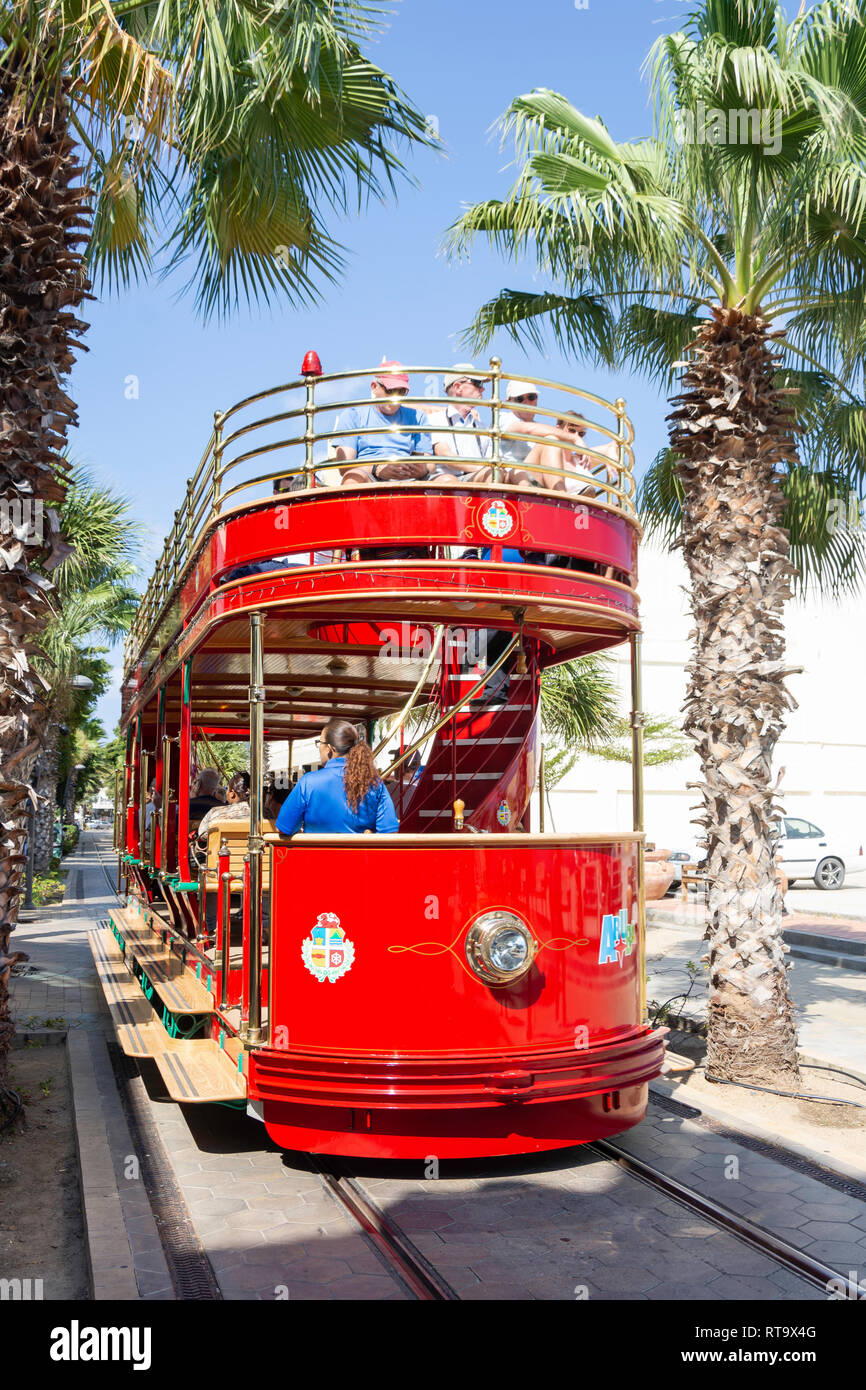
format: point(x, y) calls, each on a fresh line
point(94, 599)
point(735, 273)
point(215, 140)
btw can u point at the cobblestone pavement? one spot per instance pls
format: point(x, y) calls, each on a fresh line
point(573, 1225)
point(269, 1227)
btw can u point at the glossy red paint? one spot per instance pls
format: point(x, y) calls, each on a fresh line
point(403, 515)
point(409, 1041)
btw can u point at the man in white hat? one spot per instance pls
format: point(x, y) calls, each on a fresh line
point(398, 448)
point(545, 458)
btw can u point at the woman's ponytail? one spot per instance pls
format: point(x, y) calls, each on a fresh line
point(360, 774)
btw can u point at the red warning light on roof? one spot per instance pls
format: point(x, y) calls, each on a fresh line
point(311, 366)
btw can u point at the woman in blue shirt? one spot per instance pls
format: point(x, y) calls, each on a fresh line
point(346, 795)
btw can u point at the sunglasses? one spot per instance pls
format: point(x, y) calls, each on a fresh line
point(521, 400)
point(473, 381)
point(394, 390)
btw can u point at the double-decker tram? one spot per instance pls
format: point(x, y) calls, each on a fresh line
point(474, 983)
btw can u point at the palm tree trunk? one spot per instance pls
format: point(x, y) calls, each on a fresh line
point(731, 433)
point(40, 278)
point(46, 788)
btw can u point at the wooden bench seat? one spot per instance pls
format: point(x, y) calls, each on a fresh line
point(692, 874)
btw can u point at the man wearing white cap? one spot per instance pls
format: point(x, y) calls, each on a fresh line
point(523, 397)
point(462, 422)
point(398, 447)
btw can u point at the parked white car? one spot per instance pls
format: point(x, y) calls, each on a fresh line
point(808, 853)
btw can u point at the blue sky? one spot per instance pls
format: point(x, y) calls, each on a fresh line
point(461, 61)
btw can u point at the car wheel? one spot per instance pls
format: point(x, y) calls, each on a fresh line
point(830, 873)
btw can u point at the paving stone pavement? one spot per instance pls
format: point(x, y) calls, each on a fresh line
point(829, 1004)
point(572, 1226)
point(266, 1221)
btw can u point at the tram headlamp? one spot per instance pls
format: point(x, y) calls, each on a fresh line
point(500, 947)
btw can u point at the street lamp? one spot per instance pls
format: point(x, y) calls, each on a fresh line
point(81, 683)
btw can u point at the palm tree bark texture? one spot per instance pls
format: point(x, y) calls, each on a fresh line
point(42, 217)
point(732, 433)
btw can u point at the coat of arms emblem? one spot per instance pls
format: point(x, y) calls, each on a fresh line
point(498, 520)
point(503, 813)
point(327, 952)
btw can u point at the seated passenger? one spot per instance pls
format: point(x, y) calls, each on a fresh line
point(410, 440)
point(347, 795)
point(237, 805)
point(521, 419)
point(464, 439)
point(203, 794)
point(581, 465)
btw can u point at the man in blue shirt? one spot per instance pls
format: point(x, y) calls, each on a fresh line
point(322, 801)
point(402, 438)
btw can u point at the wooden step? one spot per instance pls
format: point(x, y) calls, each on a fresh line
point(178, 989)
point(174, 983)
point(138, 1029)
point(198, 1070)
point(194, 1070)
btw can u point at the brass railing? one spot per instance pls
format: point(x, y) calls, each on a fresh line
point(207, 496)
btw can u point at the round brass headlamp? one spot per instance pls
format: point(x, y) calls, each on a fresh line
point(500, 948)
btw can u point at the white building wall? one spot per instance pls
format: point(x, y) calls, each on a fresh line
point(823, 749)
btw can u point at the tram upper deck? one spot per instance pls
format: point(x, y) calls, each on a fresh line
point(268, 525)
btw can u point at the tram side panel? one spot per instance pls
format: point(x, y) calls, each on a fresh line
point(385, 1041)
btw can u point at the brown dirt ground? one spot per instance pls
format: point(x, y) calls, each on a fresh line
point(41, 1223)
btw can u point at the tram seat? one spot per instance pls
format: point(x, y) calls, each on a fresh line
point(236, 835)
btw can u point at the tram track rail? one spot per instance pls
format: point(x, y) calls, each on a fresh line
point(394, 1248)
point(756, 1237)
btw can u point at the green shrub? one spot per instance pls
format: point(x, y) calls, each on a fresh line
point(70, 838)
point(48, 888)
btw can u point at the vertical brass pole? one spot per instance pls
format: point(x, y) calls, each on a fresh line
point(637, 724)
point(118, 820)
point(309, 430)
point(217, 462)
point(255, 843)
point(619, 407)
point(143, 765)
point(496, 397)
point(541, 791)
point(166, 793)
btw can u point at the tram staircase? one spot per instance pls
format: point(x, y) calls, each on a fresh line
point(493, 747)
point(152, 995)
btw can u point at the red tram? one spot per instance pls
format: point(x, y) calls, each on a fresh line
point(472, 985)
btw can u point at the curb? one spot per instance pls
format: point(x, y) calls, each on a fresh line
point(109, 1257)
point(38, 1037)
point(736, 1123)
